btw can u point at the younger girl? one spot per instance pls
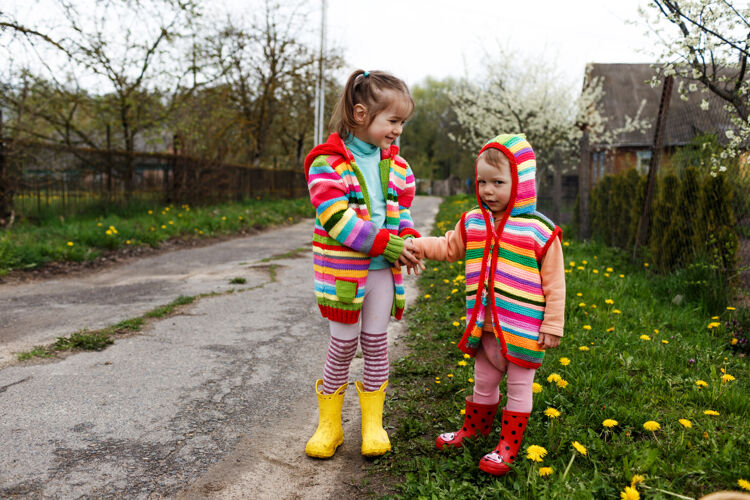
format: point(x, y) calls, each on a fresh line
point(362, 191)
point(515, 293)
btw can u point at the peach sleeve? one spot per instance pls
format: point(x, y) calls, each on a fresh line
point(553, 286)
point(450, 247)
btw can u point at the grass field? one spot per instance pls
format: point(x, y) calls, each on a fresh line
point(633, 355)
point(89, 235)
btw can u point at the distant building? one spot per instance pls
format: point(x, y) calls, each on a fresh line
point(625, 88)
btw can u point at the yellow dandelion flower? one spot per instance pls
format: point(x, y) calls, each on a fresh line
point(535, 453)
point(610, 329)
point(583, 348)
point(652, 426)
point(70, 244)
point(609, 302)
point(536, 388)
point(733, 341)
point(446, 281)
point(471, 380)
point(579, 294)
point(730, 308)
point(466, 356)
point(714, 317)
point(546, 471)
point(616, 311)
point(584, 262)
point(622, 276)
point(460, 262)
point(454, 290)
point(163, 226)
point(450, 375)
point(462, 363)
point(150, 212)
point(579, 448)
point(437, 381)
point(609, 269)
point(701, 383)
point(463, 411)
point(564, 361)
point(562, 383)
point(744, 484)
point(645, 337)
point(456, 323)
point(606, 275)
point(637, 478)
point(665, 342)
point(99, 224)
point(713, 325)
point(687, 424)
point(427, 296)
point(587, 327)
point(434, 268)
point(630, 493)
point(572, 264)
point(552, 412)
point(581, 304)
point(593, 306)
point(595, 271)
point(463, 318)
point(711, 412)
point(554, 377)
point(726, 378)
point(609, 423)
point(645, 264)
point(580, 268)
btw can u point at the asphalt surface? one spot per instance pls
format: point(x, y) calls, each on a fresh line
point(215, 402)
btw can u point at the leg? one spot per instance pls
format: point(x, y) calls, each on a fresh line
point(482, 406)
point(341, 350)
point(376, 313)
point(515, 418)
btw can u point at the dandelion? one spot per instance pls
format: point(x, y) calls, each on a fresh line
point(462, 363)
point(595, 271)
point(734, 341)
point(463, 411)
point(580, 268)
point(582, 304)
point(609, 423)
point(471, 380)
point(714, 324)
point(587, 327)
point(630, 493)
point(637, 478)
point(606, 275)
point(70, 243)
point(562, 384)
point(583, 348)
point(687, 424)
point(454, 290)
point(616, 311)
point(566, 362)
point(726, 378)
point(450, 375)
point(744, 484)
point(645, 264)
point(579, 448)
point(609, 302)
point(730, 308)
point(585, 262)
point(427, 296)
point(701, 383)
point(665, 342)
point(535, 453)
point(552, 412)
point(645, 337)
point(566, 243)
point(609, 269)
point(610, 329)
point(545, 471)
point(536, 388)
point(652, 426)
point(579, 294)
point(151, 212)
point(456, 323)
point(711, 412)
point(554, 377)
point(622, 276)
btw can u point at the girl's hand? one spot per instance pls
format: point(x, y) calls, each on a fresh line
point(409, 260)
point(548, 341)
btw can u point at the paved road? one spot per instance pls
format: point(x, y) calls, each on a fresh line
point(215, 402)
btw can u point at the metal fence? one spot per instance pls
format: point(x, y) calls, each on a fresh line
point(43, 176)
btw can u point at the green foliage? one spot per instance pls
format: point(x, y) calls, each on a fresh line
point(86, 236)
point(619, 375)
point(666, 242)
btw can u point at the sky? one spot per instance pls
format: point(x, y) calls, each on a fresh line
point(414, 39)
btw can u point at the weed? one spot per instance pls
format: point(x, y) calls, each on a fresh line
point(237, 281)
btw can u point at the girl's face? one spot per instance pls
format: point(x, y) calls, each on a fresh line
point(494, 185)
point(385, 127)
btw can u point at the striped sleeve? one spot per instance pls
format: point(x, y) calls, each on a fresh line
point(405, 199)
point(328, 196)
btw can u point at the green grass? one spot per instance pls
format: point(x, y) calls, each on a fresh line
point(90, 234)
point(620, 376)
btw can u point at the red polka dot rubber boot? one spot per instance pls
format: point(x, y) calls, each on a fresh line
point(498, 461)
point(478, 418)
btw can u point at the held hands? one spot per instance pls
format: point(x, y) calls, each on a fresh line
point(410, 258)
point(548, 341)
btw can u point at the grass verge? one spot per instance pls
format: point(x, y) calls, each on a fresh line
point(86, 237)
point(631, 354)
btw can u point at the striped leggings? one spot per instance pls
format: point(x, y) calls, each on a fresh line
point(372, 334)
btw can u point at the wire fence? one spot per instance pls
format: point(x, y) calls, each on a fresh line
point(43, 178)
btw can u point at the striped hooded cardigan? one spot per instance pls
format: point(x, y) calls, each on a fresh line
point(509, 260)
point(344, 239)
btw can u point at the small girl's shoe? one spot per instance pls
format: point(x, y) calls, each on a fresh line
point(375, 440)
point(498, 461)
point(478, 418)
point(330, 434)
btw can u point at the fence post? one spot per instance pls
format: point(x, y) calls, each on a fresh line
point(109, 165)
point(584, 188)
point(641, 235)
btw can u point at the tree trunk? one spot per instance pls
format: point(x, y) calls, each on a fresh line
point(584, 188)
point(7, 189)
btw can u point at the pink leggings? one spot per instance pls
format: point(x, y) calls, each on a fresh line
point(373, 336)
point(489, 368)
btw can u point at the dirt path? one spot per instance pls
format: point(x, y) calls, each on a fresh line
point(216, 402)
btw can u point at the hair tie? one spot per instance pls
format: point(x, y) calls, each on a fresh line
point(366, 74)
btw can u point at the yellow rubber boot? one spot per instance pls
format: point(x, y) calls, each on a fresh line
point(375, 440)
point(329, 434)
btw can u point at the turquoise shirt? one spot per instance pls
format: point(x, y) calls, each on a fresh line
point(367, 158)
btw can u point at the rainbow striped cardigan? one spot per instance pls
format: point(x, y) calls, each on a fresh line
point(344, 239)
point(510, 260)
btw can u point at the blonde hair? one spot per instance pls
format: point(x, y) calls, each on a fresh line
point(370, 89)
point(494, 157)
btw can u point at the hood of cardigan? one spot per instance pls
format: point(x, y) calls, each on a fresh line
point(335, 146)
point(523, 173)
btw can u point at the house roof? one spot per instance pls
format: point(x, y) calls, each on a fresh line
point(625, 88)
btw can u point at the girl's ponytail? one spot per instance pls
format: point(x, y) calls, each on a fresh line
point(375, 90)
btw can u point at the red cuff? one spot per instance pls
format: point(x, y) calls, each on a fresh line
point(381, 241)
point(409, 231)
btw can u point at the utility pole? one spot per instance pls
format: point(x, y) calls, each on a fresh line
point(320, 88)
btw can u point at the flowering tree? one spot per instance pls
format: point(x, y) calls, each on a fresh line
point(707, 42)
